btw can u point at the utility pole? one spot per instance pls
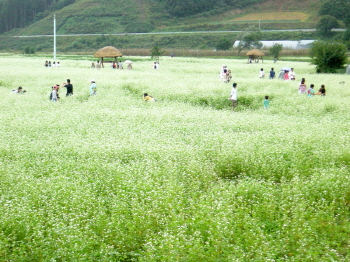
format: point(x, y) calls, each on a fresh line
point(54, 37)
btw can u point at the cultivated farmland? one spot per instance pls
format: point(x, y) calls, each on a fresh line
point(112, 178)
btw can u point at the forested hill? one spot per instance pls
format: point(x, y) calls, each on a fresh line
point(25, 17)
point(19, 13)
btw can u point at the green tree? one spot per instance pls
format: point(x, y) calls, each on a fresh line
point(275, 50)
point(250, 38)
point(325, 25)
point(156, 52)
point(337, 8)
point(328, 56)
point(223, 44)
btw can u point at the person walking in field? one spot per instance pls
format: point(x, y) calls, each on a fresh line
point(281, 74)
point(93, 88)
point(262, 73)
point(322, 91)
point(272, 74)
point(225, 76)
point(54, 96)
point(233, 96)
point(69, 87)
point(311, 91)
point(223, 72)
point(302, 86)
point(266, 102)
point(291, 74)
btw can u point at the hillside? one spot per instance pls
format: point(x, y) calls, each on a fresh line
point(105, 16)
point(139, 16)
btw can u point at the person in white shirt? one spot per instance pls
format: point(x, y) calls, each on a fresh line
point(291, 74)
point(233, 96)
point(262, 73)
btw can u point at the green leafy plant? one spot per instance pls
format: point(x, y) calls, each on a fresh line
point(275, 50)
point(328, 56)
point(29, 50)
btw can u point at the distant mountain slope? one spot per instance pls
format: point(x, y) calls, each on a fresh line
point(120, 16)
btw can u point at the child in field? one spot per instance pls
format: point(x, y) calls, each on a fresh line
point(54, 96)
point(148, 98)
point(93, 88)
point(266, 102)
point(261, 73)
point(233, 96)
point(302, 86)
point(19, 91)
point(311, 91)
point(322, 91)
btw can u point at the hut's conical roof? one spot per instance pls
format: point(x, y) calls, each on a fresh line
point(256, 52)
point(108, 51)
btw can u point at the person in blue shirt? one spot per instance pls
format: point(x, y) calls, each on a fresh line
point(266, 102)
point(272, 74)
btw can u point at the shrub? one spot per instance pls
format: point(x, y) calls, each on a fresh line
point(328, 56)
point(223, 44)
point(29, 50)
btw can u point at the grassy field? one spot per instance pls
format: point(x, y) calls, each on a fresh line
point(112, 178)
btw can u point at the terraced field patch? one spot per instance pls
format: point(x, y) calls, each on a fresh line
point(274, 16)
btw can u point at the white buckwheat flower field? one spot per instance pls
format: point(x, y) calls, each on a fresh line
point(109, 177)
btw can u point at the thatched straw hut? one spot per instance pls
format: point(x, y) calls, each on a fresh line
point(109, 52)
point(256, 55)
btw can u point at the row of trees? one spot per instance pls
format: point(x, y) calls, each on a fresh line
point(332, 14)
point(19, 13)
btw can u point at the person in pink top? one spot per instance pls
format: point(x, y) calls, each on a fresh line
point(302, 86)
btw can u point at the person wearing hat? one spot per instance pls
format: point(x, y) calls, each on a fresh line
point(93, 87)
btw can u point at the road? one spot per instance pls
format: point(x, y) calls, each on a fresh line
point(169, 33)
